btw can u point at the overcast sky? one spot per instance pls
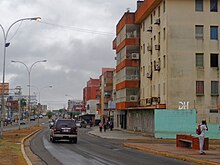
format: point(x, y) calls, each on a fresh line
point(74, 36)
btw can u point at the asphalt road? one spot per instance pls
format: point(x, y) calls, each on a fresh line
point(93, 151)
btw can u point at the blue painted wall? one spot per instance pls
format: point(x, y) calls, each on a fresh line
point(168, 123)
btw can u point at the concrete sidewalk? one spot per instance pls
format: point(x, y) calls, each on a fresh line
point(164, 147)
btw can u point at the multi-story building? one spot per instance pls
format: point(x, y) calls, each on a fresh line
point(127, 48)
point(179, 66)
point(179, 56)
point(106, 89)
point(91, 96)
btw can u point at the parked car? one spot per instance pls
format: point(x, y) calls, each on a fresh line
point(78, 124)
point(64, 129)
point(40, 116)
point(32, 118)
point(22, 122)
point(83, 124)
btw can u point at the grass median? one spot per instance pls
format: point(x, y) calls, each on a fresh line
point(10, 146)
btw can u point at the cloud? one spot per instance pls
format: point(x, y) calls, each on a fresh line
point(75, 37)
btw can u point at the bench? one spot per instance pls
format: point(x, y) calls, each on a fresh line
point(189, 141)
point(185, 143)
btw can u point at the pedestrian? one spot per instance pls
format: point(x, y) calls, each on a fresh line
point(111, 125)
point(100, 126)
point(203, 128)
point(91, 123)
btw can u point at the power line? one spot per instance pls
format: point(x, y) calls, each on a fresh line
point(78, 29)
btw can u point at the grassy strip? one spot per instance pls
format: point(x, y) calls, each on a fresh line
point(10, 146)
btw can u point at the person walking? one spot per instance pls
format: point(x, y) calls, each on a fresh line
point(111, 124)
point(203, 128)
point(100, 126)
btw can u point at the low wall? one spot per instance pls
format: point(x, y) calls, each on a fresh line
point(169, 123)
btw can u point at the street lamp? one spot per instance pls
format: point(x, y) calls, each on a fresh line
point(6, 44)
point(50, 86)
point(29, 82)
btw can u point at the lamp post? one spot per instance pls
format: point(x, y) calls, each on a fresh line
point(6, 44)
point(50, 86)
point(29, 82)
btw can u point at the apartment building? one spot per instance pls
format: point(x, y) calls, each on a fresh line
point(179, 55)
point(106, 90)
point(127, 75)
point(179, 60)
point(91, 95)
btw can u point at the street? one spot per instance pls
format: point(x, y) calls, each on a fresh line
point(93, 150)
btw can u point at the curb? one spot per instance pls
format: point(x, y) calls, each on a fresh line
point(22, 146)
point(170, 155)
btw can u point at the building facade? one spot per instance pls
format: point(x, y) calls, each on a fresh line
point(127, 46)
point(179, 67)
point(106, 89)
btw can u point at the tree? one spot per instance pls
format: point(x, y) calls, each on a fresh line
point(49, 114)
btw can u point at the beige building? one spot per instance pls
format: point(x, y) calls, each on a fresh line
point(179, 48)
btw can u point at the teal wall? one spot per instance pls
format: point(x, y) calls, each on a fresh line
point(168, 123)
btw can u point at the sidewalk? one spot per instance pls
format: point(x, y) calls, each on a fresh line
point(164, 147)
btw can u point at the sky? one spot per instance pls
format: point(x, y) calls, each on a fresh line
point(74, 36)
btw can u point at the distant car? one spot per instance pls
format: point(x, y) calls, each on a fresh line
point(64, 129)
point(78, 124)
point(32, 118)
point(22, 122)
point(40, 116)
point(83, 124)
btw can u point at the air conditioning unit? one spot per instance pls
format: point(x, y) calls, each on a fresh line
point(135, 55)
point(157, 47)
point(148, 101)
point(157, 67)
point(149, 48)
point(134, 77)
point(133, 97)
point(149, 75)
point(149, 29)
point(157, 21)
point(155, 100)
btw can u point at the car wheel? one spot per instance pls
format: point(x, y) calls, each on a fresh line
point(74, 140)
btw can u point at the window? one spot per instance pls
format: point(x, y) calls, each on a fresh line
point(143, 70)
point(158, 11)
point(213, 111)
point(199, 31)
point(199, 87)
point(199, 60)
point(214, 60)
point(164, 6)
point(164, 33)
point(158, 37)
point(213, 5)
point(158, 90)
point(214, 32)
point(164, 89)
point(143, 48)
point(199, 5)
point(151, 18)
point(164, 61)
point(214, 88)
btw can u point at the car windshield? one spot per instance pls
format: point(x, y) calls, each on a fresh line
point(66, 123)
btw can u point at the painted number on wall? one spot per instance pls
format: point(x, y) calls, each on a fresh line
point(183, 105)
